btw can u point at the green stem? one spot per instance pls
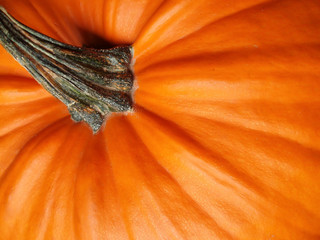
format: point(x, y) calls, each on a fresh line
point(92, 83)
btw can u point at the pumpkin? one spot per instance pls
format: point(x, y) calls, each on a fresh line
point(223, 142)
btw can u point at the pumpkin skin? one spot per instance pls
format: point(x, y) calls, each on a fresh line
point(224, 142)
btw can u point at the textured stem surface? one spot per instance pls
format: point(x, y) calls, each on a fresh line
point(92, 83)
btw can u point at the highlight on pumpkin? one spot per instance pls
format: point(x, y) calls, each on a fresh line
point(223, 142)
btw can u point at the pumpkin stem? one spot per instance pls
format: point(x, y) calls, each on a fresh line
point(92, 83)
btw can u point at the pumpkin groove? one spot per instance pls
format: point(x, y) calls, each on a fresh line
point(223, 143)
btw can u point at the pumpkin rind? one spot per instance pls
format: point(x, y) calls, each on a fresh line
point(224, 143)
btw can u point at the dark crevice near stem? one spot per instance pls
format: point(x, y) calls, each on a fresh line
point(92, 83)
point(93, 40)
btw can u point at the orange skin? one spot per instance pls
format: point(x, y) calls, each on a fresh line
point(224, 142)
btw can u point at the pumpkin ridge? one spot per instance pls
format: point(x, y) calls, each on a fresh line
point(51, 128)
point(214, 21)
point(189, 142)
point(56, 34)
point(185, 162)
point(150, 17)
point(147, 167)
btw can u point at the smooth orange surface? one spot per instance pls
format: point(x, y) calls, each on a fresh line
point(224, 142)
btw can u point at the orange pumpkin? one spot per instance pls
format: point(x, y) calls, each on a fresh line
point(224, 142)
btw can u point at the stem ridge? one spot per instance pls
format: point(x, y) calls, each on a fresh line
point(92, 83)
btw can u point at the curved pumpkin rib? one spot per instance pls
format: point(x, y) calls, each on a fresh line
point(24, 186)
point(263, 93)
point(61, 197)
point(266, 68)
point(19, 90)
point(8, 155)
point(97, 208)
point(270, 165)
point(13, 164)
point(273, 199)
point(310, 156)
point(9, 66)
point(63, 30)
point(125, 19)
point(24, 12)
point(279, 169)
point(260, 62)
point(143, 177)
point(132, 176)
point(167, 25)
point(206, 177)
point(20, 115)
point(141, 213)
point(115, 21)
point(229, 148)
point(149, 13)
point(251, 29)
point(189, 143)
point(58, 32)
point(297, 122)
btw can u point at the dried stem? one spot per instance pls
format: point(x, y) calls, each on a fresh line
point(92, 83)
